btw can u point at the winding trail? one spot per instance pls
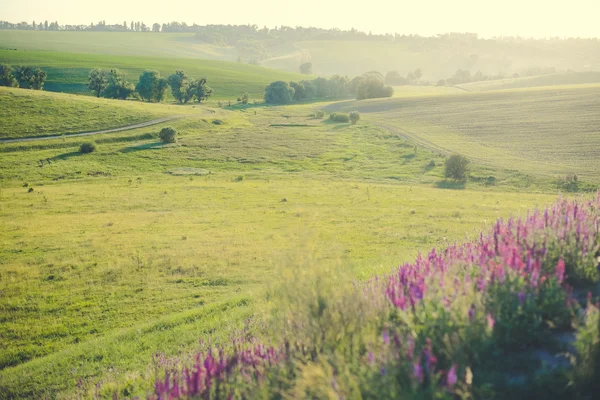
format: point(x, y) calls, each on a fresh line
point(113, 130)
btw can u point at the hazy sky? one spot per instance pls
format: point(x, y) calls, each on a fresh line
point(537, 18)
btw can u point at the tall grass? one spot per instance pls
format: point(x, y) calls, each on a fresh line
point(471, 320)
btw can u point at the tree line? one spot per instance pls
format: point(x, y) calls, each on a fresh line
point(367, 86)
point(151, 87)
point(23, 76)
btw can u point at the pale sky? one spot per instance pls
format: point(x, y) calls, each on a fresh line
point(528, 18)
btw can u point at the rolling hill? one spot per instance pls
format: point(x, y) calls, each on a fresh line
point(68, 72)
point(552, 131)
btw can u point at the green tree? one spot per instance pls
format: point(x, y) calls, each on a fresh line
point(354, 117)
point(372, 86)
point(245, 97)
point(147, 85)
point(322, 88)
point(179, 83)
point(299, 91)
point(39, 78)
point(198, 90)
point(161, 90)
point(31, 78)
point(118, 87)
point(394, 78)
point(457, 168)
point(338, 86)
point(156, 27)
point(279, 92)
point(7, 77)
point(97, 81)
point(306, 68)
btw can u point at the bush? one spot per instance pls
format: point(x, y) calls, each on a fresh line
point(87, 147)
point(244, 98)
point(339, 117)
point(320, 114)
point(457, 167)
point(168, 135)
point(354, 117)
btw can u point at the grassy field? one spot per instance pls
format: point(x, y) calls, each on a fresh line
point(552, 131)
point(119, 254)
point(121, 280)
point(30, 113)
point(68, 72)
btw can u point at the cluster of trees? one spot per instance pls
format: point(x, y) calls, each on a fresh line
point(24, 77)
point(394, 78)
point(150, 87)
point(367, 86)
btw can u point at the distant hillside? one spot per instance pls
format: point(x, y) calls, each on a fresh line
point(330, 51)
point(68, 72)
point(569, 78)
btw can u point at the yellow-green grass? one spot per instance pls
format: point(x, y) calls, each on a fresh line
point(272, 141)
point(96, 274)
point(31, 113)
point(68, 72)
point(110, 259)
point(551, 131)
point(150, 44)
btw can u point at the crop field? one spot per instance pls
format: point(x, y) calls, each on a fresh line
point(551, 131)
point(570, 78)
point(68, 72)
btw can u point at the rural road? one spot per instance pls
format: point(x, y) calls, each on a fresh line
point(121, 129)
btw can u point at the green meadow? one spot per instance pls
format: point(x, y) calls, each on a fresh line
point(143, 247)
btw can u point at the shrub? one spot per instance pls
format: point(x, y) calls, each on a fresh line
point(339, 117)
point(168, 135)
point(320, 114)
point(87, 147)
point(244, 98)
point(457, 167)
point(354, 117)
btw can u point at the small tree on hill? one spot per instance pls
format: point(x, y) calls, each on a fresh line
point(198, 90)
point(97, 81)
point(151, 87)
point(179, 84)
point(118, 87)
point(7, 77)
point(354, 117)
point(168, 135)
point(299, 91)
point(244, 98)
point(457, 168)
point(279, 92)
point(306, 68)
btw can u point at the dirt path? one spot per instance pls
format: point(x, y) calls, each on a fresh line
point(121, 129)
